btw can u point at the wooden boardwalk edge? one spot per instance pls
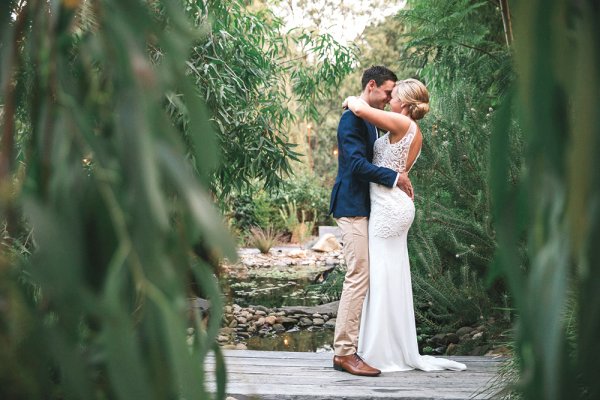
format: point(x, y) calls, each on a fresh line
point(270, 375)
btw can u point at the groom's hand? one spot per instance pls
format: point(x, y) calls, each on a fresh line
point(405, 185)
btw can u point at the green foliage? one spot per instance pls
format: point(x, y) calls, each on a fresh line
point(255, 81)
point(554, 202)
point(264, 239)
point(296, 222)
point(112, 235)
point(261, 208)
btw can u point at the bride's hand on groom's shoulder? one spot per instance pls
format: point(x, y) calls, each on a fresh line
point(345, 103)
point(347, 100)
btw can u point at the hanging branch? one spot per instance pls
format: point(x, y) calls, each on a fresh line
point(504, 8)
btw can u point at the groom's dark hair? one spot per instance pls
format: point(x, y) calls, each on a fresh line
point(379, 74)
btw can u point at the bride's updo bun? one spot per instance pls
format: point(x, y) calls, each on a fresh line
point(415, 94)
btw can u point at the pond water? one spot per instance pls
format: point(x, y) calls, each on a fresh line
point(311, 341)
point(279, 292)
point(272, 292)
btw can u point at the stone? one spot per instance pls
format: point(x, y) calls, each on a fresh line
point(326, 317)
point(438, 339)
point(262, 309)
point(451, 349)
point(287, 321)
point(233, 323)
point(261, 321)
point(316, 315)
point(480, 350)
point(241, 346)
point(305, 322)
point(334, 230)
point(478, 335)
point(228, 309)
point(451, 338)
point(297, 253)
point(260, 313)
point(326, 243)
point(330, 324)
point(241, 320)
point(318, 321)
point(222, 338)
point(271, 319)
point(465, 330)
point(279, 328)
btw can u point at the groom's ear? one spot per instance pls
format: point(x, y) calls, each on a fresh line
point(372, 84)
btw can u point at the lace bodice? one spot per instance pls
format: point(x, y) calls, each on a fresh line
point(392, 211)
point(394, 155)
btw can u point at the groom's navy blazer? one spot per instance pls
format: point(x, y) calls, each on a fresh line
point(350, 194)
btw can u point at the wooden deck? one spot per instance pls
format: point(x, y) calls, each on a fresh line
point(269, 375)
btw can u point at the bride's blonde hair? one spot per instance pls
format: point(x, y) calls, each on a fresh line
point(415, 94)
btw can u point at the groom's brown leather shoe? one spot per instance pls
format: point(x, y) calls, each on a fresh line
point(354, 365)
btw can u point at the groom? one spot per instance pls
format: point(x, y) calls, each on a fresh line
point(350, 205)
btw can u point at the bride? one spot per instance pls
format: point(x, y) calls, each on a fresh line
point(388, 337)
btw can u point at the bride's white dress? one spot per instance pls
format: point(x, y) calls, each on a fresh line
point(388, 335)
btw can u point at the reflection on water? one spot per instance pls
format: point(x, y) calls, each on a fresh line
point(270, 292)
point(315, 341)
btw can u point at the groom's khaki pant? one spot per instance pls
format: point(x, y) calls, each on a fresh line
point(356, 283)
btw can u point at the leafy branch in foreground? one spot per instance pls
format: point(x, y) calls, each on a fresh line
point(93, 166)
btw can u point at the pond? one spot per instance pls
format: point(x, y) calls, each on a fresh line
point(278, 291)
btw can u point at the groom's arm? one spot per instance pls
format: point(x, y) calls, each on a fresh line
point(353, 143)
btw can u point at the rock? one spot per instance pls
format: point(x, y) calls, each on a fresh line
point(226, 331)
point(241, 346)
point(451, 349)
point(271, 319)
point(287, 321)
point(261, 321)
point(262, 309)
point(241, 320)
point(465, 330)
point(222, 338)
point(280, 313)
point(327, 243)
point(438, 339)
point(279, 328)
point(316, 315)
point(229, 347)
point(260, 313)
point(451, 338)
point(202, 304)
point(478, 335)
point(297, 253)
point(244, 334)
point(326, 317)
point(480, 350)
point(233, 323)
point(318, 321)
point(330, 324)
point(228, 310)
point(305, 322)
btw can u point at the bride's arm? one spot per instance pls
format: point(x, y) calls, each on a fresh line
point(386, 120)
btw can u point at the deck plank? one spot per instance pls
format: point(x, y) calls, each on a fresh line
point(270, 375)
